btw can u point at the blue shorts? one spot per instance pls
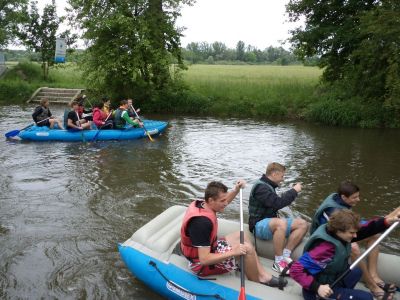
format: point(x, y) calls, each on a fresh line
point(263, 231)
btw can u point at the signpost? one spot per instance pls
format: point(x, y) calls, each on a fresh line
point(3, 66)
point(61, 50)
point(2, 60)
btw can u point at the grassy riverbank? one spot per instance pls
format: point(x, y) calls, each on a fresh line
point(271, 92)
point(22, 79)
point(261, 91)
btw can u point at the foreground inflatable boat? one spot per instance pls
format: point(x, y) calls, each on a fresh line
point(152, 255)
point(44, 133)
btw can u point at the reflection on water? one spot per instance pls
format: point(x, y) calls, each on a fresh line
point(65, 206)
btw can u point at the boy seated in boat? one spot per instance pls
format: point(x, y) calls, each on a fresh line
point(131, 110)
point(210, 255)
point(83, 112)
point(347, 196)
point(42, 115)
point(326, 255)
point(74, 120)
point(264, 221)
point(121, 116)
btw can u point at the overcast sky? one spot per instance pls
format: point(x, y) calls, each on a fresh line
point(260, 23)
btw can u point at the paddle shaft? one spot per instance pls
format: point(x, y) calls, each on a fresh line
point(16, 132)
point(145, 130)
point(80, 126)
point(242, 294)
point(98, 131)
point(357, 261)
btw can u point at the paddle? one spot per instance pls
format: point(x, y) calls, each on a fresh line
point(242, 295)
point(98, 131)
point(145, 130)
point(80, 125)
point(13, 133)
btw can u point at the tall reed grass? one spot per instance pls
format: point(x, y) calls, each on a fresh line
point(265, 91)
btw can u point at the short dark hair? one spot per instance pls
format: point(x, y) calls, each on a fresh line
point(74, 102)
point(123, 102)
point(99, 105)
point(343, 220)
point(43, 101)
point(347, 188)
point(213, 189)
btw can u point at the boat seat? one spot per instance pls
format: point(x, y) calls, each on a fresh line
point(163, 233)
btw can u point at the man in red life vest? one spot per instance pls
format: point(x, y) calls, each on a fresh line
point(209, 255)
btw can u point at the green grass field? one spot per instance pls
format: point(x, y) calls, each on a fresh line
point(254, 90)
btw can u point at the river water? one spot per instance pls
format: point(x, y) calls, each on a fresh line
point(65, 206)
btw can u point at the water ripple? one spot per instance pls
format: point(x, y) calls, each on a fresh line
point(65, 206)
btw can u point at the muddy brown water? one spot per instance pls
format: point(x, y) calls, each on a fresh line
point(65, 206)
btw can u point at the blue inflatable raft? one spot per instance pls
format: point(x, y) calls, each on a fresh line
point(152, 255)
point(44, 133)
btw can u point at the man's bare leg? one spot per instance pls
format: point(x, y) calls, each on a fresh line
point(298, 231)
point(373, 258)
point(278, 229)
point(366, 277)
point(253, 268)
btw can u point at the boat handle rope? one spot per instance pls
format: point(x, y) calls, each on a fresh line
point(154, 265)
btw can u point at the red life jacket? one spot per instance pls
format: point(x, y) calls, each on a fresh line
point(187, 248)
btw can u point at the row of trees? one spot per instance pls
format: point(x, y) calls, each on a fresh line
point(74, 55)
point(196, 52)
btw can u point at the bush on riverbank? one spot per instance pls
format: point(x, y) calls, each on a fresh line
point(333, 105)
point(18, 84)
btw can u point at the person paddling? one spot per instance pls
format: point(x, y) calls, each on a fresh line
point(43, 117)
point(121, 116)
point(74, 120)
point(347, 196)
point(131, 113)
point(211, 255)
point(100, 119)
point(327, 252)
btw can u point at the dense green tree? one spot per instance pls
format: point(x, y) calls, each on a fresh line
point(11, 14)
point(131, 44)
point(218, 50)
point(38, 33)
point(240, 50)
point(193, 53)
point(375, 69)
point(332, 30)
point(358, 43)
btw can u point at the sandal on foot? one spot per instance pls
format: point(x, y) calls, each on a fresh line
point(383, 295)
point(276, 282)
point(387, 287)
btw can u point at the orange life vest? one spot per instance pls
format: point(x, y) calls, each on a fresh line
point(188, 250)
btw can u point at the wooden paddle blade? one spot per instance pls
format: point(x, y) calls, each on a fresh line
point(12, 133)
point(150, 138)
point(242, 295)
